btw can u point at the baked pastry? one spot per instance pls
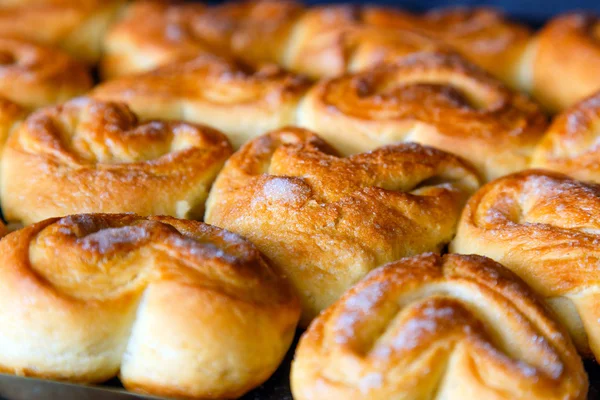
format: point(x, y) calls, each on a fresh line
point(151, 34)
point(329, 41)
point(10, 115)
point(482, 35)
point(544, 227)
point(326, 221)
point(566, 60)
point(255, 31)
point(210, 90)
point(431, 327)
point(570, 144)
point(74, 26)
point(91, 156)
point(434, 99)
point(176, 308)
point(34, 76)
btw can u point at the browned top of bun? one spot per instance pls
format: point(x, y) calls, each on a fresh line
point(34, 76)
point(454, 325)
point(10, 115)
point(570, 145)
point(567, 60)
point(327, 220)
point(437, 99)
point(62, 159)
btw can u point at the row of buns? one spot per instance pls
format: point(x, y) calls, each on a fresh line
point(329, 184)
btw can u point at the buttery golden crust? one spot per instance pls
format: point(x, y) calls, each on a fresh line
point(151, 34)
point(434, 99)
point(180, 308)
point(331, 40)
point(570, 144)
point(325, 220)
point(544, 227)
point(74, 26)
point(34, 76)
point(566, 61)
point(452, 327)
point(91, 156)
point(482, 35)
point(10, 115)
point(211, 90)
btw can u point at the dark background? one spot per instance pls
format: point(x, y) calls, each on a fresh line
point(534, 12)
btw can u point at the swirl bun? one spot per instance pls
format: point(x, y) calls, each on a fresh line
point(210, 90)
point(482, 35)
point(151, 34)
point(570, 144)
point(34, 76)
point(176, 308)
point(326, 221)
point(63, 159)
point(329, 41)
point(558, 81)
point(74, 26)
point(425, 327)
point(544, 227)
point(433, 99)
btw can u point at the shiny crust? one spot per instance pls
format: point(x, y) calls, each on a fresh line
point(92, 156)
point(570, 144)
point(151, 34)
point(326, 221)
point(180, 308)
point(452, 327)
point(483, 35)
point(545, 227)
point(210, 90)
point(434, 99)
point(560, 81)
point(331, 40)
point(34, 76)
point(74, 26)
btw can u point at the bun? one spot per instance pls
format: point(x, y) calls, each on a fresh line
point(482, 35)
point(176, 308)
point(569, 145)
point(326, 221)
point(544, 227)
point(451, 327)
point(434, 99)
point(34, 76)
point(10, 115)
point(74, 26)
point(151, 34)
point(332, 40)
point(213, 91)
point(92, 156)
point(559, 81)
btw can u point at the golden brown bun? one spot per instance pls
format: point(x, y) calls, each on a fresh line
point(430, 327)
point(10, 115)
point(74, 26)
point(91, 156)
point(434, 99)
point(256, 31)
point(210, 90)
point(177, 308)
point(483, 35)
point(151, 34)
point(34, 76)
point(326, 221)
point(570, 144)
point(566, 61)
point(331, 40)
point(544, 227)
